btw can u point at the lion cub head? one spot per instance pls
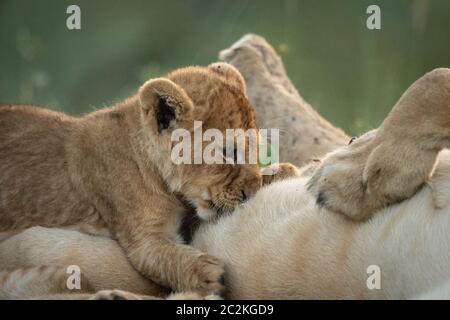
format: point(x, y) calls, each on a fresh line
point(182, 115)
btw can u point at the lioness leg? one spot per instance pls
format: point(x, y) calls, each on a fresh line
point(99, 259)
point(105, 272)
point(124, 295)
point(30, 283)
point(391, 164)
point(50, 283)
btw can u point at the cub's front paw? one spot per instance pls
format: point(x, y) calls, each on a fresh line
point(204, 275)
point(278, 171)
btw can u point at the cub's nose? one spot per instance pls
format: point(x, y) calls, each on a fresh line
point(244, 196)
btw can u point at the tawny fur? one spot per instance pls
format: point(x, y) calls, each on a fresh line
point(111, 172)
point(392, 163)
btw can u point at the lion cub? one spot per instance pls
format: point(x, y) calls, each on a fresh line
point(111, 170)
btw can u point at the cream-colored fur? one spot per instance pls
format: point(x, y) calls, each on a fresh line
point(442, 292)
point(282, 245)
point(393, 162)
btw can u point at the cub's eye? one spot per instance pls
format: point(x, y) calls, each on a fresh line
point(352, 139)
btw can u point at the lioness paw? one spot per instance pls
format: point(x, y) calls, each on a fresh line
point(337, 183)
point(392, 164)
point(375, 171)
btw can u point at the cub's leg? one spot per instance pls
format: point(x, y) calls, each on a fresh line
point(389, 165)
point(178, 266)
point(147, 230)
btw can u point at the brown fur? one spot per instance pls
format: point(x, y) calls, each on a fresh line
point(111, 170)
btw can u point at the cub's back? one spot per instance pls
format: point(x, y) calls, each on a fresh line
point(32, 163)
point(30, 135)
point(13, 115)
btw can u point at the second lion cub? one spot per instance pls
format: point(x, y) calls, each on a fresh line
point(111, 171)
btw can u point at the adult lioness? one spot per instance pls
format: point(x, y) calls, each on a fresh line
point(111, 171)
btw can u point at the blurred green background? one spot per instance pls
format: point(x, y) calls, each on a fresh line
point(350, 74)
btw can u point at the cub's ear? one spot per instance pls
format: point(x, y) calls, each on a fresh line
point(230, 73)
point(164, 103)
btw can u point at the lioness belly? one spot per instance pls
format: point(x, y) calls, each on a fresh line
point(280, 245)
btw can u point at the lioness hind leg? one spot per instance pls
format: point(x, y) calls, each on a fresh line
point(32, 283)
point(102, 263)
point(99, 259)
point(120, 295)
point(125, 295)
point(50, 283)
